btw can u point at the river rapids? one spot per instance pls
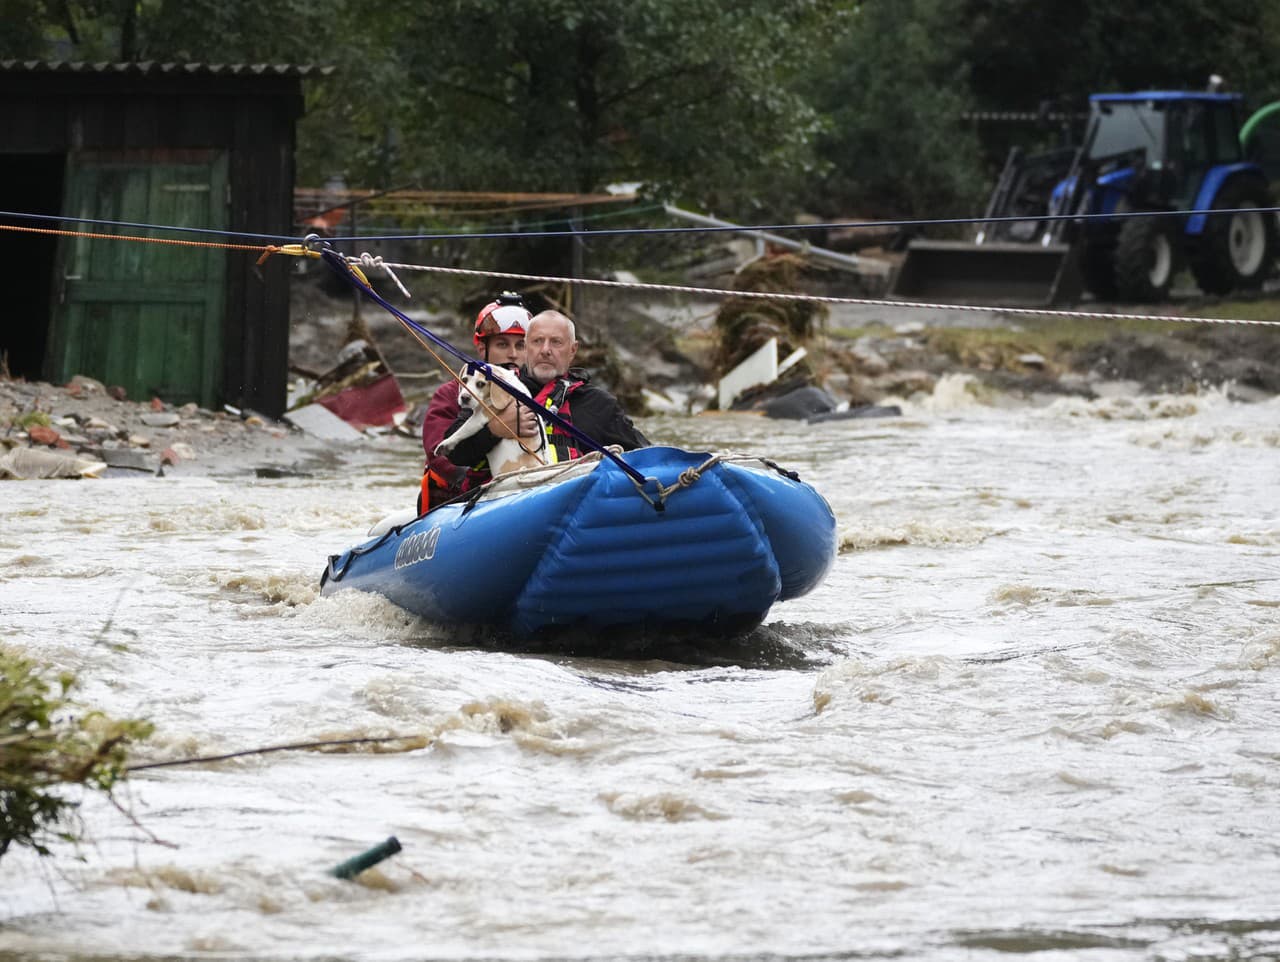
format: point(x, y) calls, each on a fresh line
point(1031, 712)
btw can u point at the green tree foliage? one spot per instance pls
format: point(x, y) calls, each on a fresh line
point(837, 105)
point(46, 745)
point(1027, 51)
point(894, 87)
point(691, 97)
point(24, 29)
point(91, 30)
point(347, 112)
point(211, 31)
point(1055, 53)
point(218, 31)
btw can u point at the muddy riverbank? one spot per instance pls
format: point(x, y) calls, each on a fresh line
point(659, 358)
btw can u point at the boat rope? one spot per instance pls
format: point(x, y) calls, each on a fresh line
point(335, 572)
point(548, 473)
point(551, 473)
point(691, 476)
point(345, 267)
point(366, 262)
point(823, 299)
point(906, 223)
point(98, 222)
point(302, 249)
point(838, 225)
point(464, 385)
point(144, 240)
point(660, 492)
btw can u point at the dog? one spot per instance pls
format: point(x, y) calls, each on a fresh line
point(509, 454)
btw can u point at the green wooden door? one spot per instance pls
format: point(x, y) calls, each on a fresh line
point(147, 317)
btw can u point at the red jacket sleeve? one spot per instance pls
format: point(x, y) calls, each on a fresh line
point(441, 413)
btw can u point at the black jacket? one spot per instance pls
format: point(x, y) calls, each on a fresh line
point(592, 410)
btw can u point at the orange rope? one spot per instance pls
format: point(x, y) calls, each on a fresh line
point(393, 209)
point(462, 383)
point(297, 250)
point(267, 250)
point(144, 240)
point(459, 196)
point(448, 369)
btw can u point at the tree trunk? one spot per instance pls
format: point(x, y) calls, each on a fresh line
point(128, 30)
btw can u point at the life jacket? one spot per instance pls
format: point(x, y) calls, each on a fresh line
point(555, 398)
point(436, 489)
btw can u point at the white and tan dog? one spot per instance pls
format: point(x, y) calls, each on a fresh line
point(509, 454)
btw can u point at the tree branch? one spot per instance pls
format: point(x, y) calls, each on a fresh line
point(128, 30)
point(674, 107)
point(691, 70)
point(478, 94)
point(69, 21)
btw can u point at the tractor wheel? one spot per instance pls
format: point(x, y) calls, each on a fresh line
point(1236, 250)
point(1098, 269)
point(1146, 258)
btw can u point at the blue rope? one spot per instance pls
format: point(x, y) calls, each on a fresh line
point(58, 219)
point(339, 263)
point(625, 231)
point(775, 228)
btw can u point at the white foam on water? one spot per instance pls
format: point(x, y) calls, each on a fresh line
point(951, 393)
point(1046, 660)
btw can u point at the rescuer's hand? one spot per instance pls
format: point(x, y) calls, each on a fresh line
point(515, 420)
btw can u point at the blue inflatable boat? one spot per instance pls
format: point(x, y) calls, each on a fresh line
point(709, 543)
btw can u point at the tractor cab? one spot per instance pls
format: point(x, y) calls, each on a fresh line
point(1157, 147)
point(1159, 152)
point(1162, 151)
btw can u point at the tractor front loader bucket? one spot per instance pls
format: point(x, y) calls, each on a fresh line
point(999, 273)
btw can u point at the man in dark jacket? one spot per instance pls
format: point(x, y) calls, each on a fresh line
point(551, 344)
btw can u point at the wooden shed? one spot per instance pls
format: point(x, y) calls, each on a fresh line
point(190, 145)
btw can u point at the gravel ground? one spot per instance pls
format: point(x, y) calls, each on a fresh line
point(85, 422)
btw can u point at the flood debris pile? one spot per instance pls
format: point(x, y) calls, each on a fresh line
point(765, 349)
point(84, 429)
point(359, 388)
point(745, 324)
point(791, 359)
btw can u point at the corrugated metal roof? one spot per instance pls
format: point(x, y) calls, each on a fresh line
point(156, 68)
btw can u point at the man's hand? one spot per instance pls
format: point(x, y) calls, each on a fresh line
point(515, 420)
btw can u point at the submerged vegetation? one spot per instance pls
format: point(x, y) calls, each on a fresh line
point(49, 743)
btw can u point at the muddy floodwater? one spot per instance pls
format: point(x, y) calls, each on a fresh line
point(1033, 712)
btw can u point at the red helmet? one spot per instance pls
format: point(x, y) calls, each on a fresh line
point(506, 315)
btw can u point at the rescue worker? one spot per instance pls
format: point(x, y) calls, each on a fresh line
point(500, 339)
point(551, 344)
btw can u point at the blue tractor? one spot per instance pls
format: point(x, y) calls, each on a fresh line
point(1157, 151)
